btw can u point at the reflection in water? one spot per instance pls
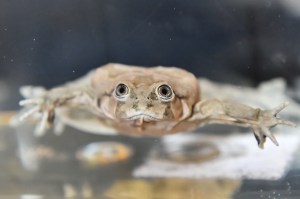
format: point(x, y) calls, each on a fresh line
point(30, 196)
point(173, 189)
point(60, 176)
point(71, 191)
point(27, 141)
point(186, 152)
point(101, 153)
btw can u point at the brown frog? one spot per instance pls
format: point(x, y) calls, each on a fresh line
point(141, 101)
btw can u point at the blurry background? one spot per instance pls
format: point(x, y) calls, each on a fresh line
point(50, 42)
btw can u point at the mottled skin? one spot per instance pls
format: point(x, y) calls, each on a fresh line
point(143, 111)
point(142, 102)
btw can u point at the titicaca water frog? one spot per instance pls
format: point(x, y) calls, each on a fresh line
point(141, 101)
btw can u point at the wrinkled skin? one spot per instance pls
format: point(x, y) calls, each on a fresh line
point(141, 102)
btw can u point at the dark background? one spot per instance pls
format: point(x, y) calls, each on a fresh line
point(51, 42)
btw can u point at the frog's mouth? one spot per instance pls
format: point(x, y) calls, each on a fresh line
point(143, 116)
point(139, 119)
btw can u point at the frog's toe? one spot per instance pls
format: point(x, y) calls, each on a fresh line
point(28, 113)
point(42, 126)
point(261, 134)
point(30, 101)
point(267, 132)
point(260, 141)
point(59, 127)
point(286, 122)
point(32, 106)
point(40, 130)
point(32, 91)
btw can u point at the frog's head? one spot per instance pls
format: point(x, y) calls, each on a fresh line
point(145, 94)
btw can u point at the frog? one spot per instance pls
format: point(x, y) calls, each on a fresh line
point(143, 102)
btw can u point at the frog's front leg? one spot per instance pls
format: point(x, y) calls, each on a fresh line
point(44, 103)
point(224, 112)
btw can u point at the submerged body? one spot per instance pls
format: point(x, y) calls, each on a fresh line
point(140, 101)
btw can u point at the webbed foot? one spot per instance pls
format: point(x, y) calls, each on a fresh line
point(42, 108)
point(268, 119)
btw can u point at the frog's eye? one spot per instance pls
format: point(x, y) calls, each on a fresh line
point(165, 92)
point(121, 91)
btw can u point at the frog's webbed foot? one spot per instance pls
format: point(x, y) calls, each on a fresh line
point(231, 113)
point(39, 104)
point(266, 120)
point(40, 108)
point(44, 105)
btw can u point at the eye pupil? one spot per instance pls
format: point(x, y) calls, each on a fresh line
point(122, 90)
point(164, 91)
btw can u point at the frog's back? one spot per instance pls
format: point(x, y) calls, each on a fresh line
point(106, 77)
